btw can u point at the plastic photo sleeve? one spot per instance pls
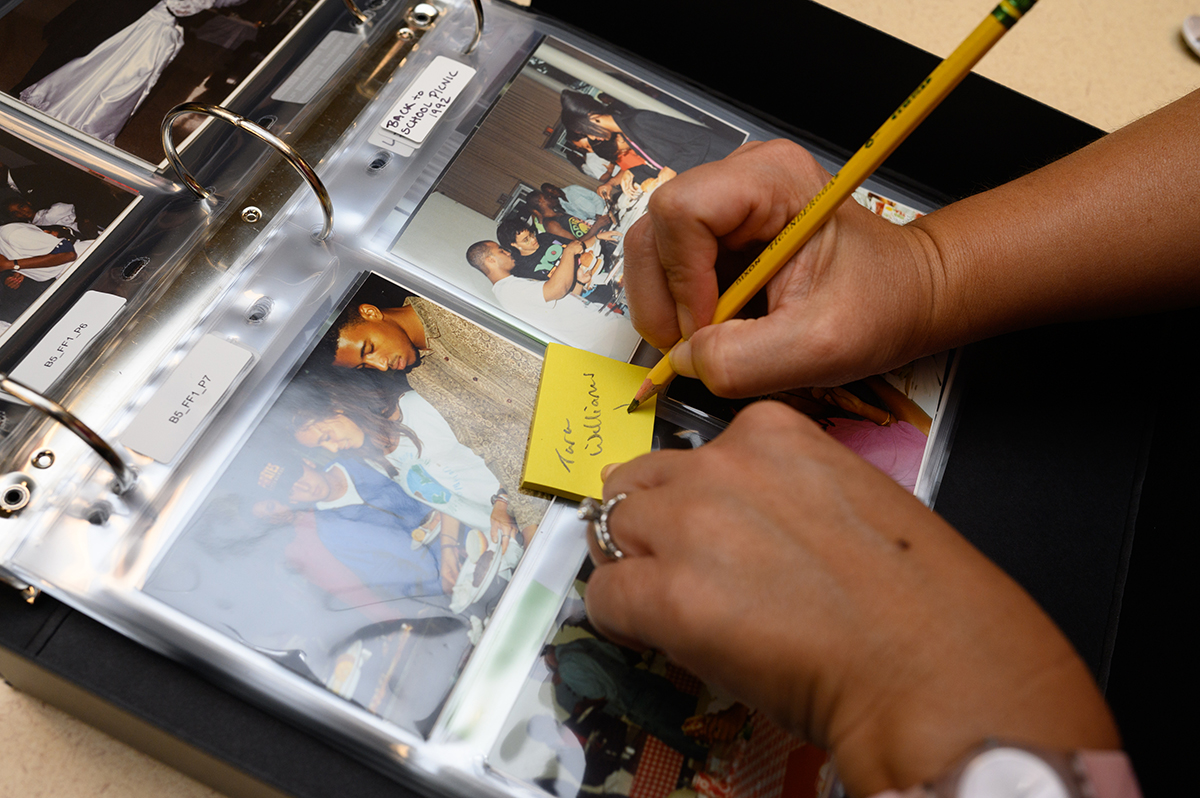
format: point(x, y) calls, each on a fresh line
point(366, 530)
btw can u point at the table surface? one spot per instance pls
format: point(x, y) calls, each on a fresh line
point(1096, 60)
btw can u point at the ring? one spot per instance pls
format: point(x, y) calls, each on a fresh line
point(597, 513)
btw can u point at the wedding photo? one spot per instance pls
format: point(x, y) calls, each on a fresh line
point(113, 68)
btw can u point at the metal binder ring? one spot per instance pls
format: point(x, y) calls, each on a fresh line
point(125, 476)
point(354, 9)
point(478, 27)
point(258, 132)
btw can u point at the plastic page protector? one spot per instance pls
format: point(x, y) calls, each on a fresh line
point(581, 423)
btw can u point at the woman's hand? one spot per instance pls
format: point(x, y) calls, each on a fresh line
point(776, 564)
point(856, 300)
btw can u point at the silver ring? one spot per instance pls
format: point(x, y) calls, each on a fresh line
point(124, 477)
point(478, 4)
point(354, 10)
point(597, 513)
point(242, 123)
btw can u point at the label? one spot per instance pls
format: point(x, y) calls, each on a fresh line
point(180, 406)
point(428, 99)
point(67, 340)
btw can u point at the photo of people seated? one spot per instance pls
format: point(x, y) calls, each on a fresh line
point(532, 213)
point(365, 532)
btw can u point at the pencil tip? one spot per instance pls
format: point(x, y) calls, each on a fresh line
point(632, 406)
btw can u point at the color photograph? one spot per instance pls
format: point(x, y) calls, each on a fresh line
point(113, 68)
point(596, 718)
point(50, 214)
point(366, 530)
point(531, 214)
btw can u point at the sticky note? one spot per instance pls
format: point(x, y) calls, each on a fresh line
point(581, 422)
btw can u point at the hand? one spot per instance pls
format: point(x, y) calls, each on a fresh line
point(609, 235)
point(856, 300)
point(504, 526)
point(14, 280)
point(776, 564)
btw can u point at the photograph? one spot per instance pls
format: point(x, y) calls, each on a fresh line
point(113, 68)
point(364, 533)
point(531, 214)
point(50, 213)
point(596, 718)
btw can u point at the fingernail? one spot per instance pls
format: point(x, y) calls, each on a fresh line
point(608, 469)
point(681, 359)
point(687, 322)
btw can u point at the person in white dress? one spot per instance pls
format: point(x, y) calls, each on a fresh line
point(99, 92)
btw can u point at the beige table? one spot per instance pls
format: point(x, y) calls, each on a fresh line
point(1103, 61)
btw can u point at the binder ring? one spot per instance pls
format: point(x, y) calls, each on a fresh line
point(242, 123)
point(125, 476)
point(478, 27)
point(354, 10)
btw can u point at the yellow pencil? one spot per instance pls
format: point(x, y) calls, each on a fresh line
point(903, 121)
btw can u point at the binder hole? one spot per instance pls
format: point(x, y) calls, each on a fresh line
point(381, 159)
point(423, 15)
point(251, 214)
point(134, 268)
point(259, 311)
point(43, 459)
point(99, 513)
point(14, 498)
point(266, 121)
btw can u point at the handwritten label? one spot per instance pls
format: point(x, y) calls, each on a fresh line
point(428, 99)
point(67, 339)
point(581, 423)
point(193, 390)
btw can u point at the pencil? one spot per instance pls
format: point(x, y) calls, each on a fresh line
point(903, 121)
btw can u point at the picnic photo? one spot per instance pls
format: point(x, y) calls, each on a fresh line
point(531, 214)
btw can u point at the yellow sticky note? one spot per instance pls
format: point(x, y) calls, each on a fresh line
point(581, 423)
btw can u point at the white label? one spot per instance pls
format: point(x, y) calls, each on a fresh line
point(428, 99)
point(67, 339)
point(179, 407)
point(308, 78)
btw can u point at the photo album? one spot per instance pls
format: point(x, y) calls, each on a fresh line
point(305, 475)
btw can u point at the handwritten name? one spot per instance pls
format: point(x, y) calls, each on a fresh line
point(592, 422)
